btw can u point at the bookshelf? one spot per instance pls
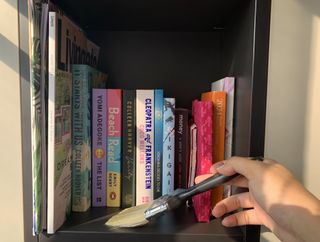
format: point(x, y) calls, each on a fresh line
point(180, 46)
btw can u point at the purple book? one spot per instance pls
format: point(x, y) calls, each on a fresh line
point(99, 144)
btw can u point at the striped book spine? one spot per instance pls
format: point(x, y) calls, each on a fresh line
point(145, 146)
point(113, 147)
point(158, 142)
point(99, 144)
point(168, 146)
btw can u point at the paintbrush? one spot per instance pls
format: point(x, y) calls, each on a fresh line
point(142, 214)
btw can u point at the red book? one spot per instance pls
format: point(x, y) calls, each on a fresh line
point(202, 115)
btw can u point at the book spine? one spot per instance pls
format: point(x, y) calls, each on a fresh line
point(218, 100)
point(158, 142)
point(227, 85)
point(81, 138)
point(168, 146)
point(99, 145)
point(193, 154)
point(181, 161)
point(202, 113)
point(113, 147)
point(128, 177)
point(51, 121)
point(145, 146)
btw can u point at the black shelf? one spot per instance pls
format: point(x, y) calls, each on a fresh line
point(179, 225)
point(180, 46)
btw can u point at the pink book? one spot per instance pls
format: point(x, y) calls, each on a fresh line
point(202, 114)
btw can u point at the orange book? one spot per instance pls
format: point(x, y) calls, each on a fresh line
point(218, 135)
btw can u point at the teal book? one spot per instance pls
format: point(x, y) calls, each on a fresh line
point(81, 137)
point(158, 142)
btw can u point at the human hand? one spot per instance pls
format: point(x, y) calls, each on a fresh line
point(274, 196)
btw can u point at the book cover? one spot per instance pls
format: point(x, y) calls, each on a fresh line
point(128, 178)
point(114, 100)
point(202, 114)
point(181, 161)
point(81, 138)
point(67, 45)
point(144, 146)
point(99, 145)
point(218, 100)
point(59, 150)
point(36, 110)
point(158, 142)
point(227, 85)
point(168, 145)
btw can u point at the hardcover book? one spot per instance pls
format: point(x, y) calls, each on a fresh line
point(99, 145)
point(218, 100)
point(67, 45)
point(128, 178)
point(181, 161)
point(168, 146)
point(202, 114)
point(145, 146)
point(114, 100)
point(81, 137)
point(158, 142)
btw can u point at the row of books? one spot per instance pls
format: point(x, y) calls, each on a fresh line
point(139, 134)
point(149, 147)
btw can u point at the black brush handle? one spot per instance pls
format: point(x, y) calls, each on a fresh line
point(207, 184)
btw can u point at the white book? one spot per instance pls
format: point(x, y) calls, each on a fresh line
point(67, 45)
point(227, 85)
point(59, 137)
point(144, 146)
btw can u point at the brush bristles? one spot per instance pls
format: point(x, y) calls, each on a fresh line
point(130, 217)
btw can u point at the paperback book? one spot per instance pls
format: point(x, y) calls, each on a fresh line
point(99, 145)
point(158, 142)
point(128, 178)
point(145, 146)
point(114, 116)
point(81, 137)
point(168, 146)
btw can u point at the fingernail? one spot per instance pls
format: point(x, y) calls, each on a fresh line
point(229, 221)
point(218, 165)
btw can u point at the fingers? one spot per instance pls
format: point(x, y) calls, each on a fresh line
point(239, 181)
point(241, 165)
point(241, 218)
point(241, 200)
point(201, 178)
